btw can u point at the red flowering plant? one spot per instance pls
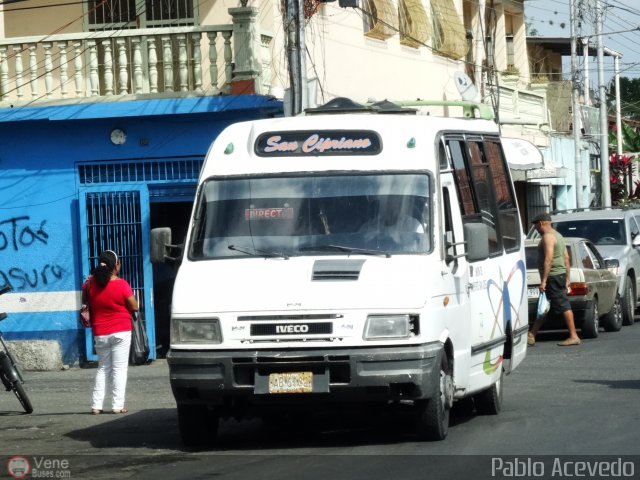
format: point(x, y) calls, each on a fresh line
point(619, 167)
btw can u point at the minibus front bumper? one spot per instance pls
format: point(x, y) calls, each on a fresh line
point(230, 378)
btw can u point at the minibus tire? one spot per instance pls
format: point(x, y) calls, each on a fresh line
point(489, 401)
point(433, 414)
point(198, 425)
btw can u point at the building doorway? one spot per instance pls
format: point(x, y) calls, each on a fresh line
point(175, 215)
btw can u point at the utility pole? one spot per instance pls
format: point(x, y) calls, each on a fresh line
point(604, 124)
point(296, 52)
point(575, 106)
point(586, 94)
point(616, 69)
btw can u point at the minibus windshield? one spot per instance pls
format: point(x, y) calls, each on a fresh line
point(382, 214)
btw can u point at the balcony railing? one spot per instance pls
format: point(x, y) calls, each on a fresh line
point(521, 106)
point(157, 61)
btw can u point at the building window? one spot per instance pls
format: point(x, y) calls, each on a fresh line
point(449, 34)
point(415, 29)
point(381, 19)
point(511, 58)
point(117, 14)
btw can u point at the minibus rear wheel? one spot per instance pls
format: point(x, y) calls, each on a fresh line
point(489, 401)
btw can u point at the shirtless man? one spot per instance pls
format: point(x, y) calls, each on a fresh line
point(554, 268)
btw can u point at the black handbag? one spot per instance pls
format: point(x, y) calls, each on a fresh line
point(139, 353)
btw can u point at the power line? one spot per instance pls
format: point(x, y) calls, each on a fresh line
point(35, 7)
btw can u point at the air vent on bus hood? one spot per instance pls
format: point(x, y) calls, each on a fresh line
point(336, 270)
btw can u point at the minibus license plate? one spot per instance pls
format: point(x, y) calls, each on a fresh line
point(533, 292)
point(297, 382)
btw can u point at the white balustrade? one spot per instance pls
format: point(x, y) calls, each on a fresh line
point(17, 53)
point(33, 70)
point(77, 66)
point(228, 68)
point(137, 66)
point(197, 62)
point(167, 61)
point(123, 74)
point(48, 69)
point(4, 68)
point(125, 62)
point(94, 77)
point(213, 62)
point(153, 66)
point(64, 68)
point(108, 67)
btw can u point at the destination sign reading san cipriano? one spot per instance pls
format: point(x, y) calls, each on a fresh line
point(325, 142)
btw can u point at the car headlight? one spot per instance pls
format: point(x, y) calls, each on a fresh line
point(195, 330)
point(387, 326)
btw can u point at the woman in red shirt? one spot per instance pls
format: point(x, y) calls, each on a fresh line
point(111, 302)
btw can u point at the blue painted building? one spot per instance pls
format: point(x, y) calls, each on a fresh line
point(79, 178)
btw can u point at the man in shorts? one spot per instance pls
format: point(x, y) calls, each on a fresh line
point(554, 268)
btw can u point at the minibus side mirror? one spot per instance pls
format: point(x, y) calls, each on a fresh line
point(477, 241)
point(161, 246)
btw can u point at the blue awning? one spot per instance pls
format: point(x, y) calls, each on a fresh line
point(120, 107)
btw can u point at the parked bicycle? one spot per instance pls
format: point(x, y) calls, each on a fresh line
point(9, 372)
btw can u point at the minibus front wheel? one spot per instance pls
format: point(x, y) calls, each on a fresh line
point(433, 414)
point(197, 424)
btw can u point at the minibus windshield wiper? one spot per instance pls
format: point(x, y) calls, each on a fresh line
point(258, 253)
point(343, 248)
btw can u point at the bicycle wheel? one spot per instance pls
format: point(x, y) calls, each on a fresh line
point(15, 366)
point(18, 389)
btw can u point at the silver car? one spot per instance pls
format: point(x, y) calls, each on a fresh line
point(616, 234)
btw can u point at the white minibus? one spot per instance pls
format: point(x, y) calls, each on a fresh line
point(351, 256)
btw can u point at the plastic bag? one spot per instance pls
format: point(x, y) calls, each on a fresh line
point(543, 305)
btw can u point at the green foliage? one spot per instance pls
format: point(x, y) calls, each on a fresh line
point(629, 97)
point(630, 139)
point(620, 167)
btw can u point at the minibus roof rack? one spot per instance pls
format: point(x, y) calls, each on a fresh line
point(469, 109)
point(346, 105)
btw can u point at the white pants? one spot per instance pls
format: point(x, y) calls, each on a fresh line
point(113, 362)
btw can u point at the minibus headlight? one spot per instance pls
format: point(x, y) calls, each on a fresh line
point(387, 326)
point(195, 330)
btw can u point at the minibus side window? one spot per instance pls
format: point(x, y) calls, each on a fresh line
point(483, 188)
point(463, 182)
point(508, 219)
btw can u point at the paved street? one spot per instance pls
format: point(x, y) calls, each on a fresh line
point(563, 401)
